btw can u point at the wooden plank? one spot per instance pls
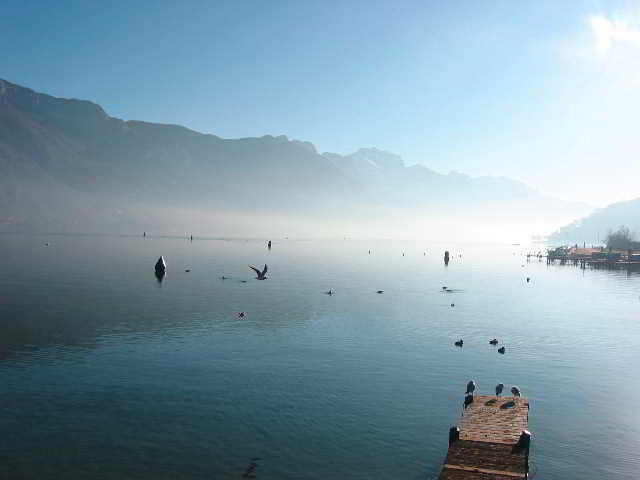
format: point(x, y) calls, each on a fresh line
point(494, 419)
point(485, 470)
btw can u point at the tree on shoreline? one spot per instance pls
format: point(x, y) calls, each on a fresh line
point(622, 239)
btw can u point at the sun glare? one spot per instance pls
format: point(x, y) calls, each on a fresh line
point(608, 33)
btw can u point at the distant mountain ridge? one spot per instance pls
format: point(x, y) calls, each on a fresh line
point(68, 166)
point(595, 227)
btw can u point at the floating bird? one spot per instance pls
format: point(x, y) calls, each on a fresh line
point(453, 304)
point(46, 244)
point(187, 270)
point(330, 292)
point(380, 291)
point(493, 342)
point(444, 288)
point(458, 343)
point(515, 391)
point(471, 386)
point(241, 315)
point(502, 350)
point(499, 389)
point(262, 275)
point(243, 281)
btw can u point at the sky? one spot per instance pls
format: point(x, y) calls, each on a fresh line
point(544, 92)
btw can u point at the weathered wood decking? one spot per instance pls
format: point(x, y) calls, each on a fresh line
point(489, 445)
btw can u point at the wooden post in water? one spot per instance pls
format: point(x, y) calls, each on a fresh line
point(491, 442)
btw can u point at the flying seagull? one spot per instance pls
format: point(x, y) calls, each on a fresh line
point(262, 275)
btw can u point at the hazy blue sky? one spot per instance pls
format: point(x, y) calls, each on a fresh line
point(546, 92)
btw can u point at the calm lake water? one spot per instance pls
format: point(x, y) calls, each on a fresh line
point(106, 373)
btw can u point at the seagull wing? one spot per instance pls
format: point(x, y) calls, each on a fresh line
point(255, 270)
point(264, 272)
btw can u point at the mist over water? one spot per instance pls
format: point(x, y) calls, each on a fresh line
point(107, 373)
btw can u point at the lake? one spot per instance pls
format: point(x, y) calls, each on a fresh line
point(106, 373)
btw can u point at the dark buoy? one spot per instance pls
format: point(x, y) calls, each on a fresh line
point(161, 266)
point(191, 238)
point(269, 245)
point(446, 257)
point(528, 279)
point(161, 269)
point(144, 234)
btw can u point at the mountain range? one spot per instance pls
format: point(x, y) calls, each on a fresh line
point(595, 227)
point(67, 166)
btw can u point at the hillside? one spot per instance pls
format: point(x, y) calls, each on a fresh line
point(67, 166)
point(594, 228)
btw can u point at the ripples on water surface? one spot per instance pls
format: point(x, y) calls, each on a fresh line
point(105, 373)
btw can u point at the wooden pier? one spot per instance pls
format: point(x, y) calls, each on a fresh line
point(594, 258)
point(491, 442)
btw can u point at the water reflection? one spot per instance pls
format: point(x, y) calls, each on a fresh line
point(304, 375)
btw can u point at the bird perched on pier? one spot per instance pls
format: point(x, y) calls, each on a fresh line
point(262, 275)
point(515, 391)
point(471, 386)
point(502, 350)
point(494, 341)
point(499, 389)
